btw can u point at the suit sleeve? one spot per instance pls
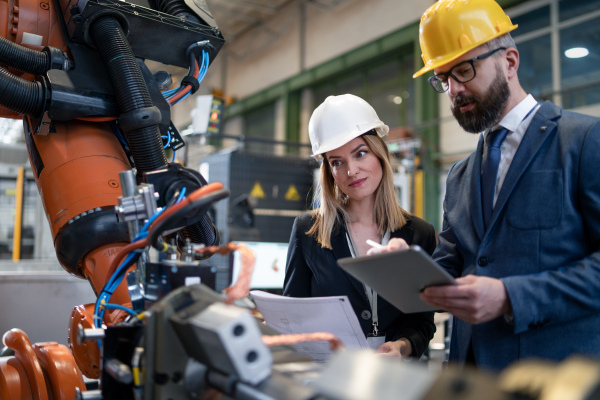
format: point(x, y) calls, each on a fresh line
point(427, 240)
point(446, 252)
point(297, 273)
point(571, 291)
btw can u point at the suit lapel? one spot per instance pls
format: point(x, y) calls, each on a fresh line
point(340, 249)
point(405, 232)
point(542, 126)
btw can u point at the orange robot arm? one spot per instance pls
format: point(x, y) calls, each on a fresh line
point(75, 79)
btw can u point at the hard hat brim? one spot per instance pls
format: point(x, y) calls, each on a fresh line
point(440, 61)
point(381, 129)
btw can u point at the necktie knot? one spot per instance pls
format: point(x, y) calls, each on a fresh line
point(495, 138)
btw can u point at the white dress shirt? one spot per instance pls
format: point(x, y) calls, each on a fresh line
point(516, 121)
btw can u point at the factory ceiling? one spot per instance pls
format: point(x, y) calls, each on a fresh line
point(235, 17)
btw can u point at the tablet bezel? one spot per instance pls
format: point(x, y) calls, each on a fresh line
point(399, 276)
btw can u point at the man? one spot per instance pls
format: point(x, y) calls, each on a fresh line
point(521, 225)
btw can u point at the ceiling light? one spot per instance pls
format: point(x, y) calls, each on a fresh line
point(397, 99)
point(577, 52)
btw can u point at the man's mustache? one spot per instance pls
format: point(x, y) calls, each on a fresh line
point(461, 100)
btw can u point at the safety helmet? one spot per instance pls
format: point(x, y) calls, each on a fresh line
point(451, 28)
point(339, 119)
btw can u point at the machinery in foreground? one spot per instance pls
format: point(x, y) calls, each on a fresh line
point(97, 123)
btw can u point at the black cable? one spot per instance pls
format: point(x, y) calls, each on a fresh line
point(23, 59)
point(20, 95)
point(138, 114)
point(193, 65)
point(200, 205)
point(181, 214)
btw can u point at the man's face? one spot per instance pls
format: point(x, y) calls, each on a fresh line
point(478, 104)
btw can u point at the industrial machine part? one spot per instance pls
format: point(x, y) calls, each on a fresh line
point(191, 344)
point(40, 371)
point(385, 379)
point(96, 124)
point(75, 73)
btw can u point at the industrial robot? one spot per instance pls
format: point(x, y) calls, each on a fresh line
point(135, 225)
point(97, 123)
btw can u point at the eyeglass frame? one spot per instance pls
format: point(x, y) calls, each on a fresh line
point(449, 74)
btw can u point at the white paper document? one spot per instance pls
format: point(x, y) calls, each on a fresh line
point(312, 314)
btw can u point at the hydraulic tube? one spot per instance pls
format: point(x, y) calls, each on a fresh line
point(27, 60)
point(178, 8)
point(140, 118)
point(20, 95)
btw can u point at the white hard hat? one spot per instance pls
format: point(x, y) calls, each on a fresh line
point(339, 120)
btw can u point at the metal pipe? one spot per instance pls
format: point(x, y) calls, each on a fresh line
point(16, 255)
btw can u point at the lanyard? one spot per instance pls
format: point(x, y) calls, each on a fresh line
point(371, 294)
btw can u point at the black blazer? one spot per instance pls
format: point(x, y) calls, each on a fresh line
point(313, 271)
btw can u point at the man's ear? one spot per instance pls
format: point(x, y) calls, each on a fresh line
point(512, 60)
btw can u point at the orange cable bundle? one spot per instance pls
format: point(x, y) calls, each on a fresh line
point(281, 340)
point(242, 285)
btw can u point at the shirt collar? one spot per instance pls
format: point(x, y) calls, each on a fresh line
point(513, 119)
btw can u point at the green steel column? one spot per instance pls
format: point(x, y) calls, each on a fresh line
point(427, 111)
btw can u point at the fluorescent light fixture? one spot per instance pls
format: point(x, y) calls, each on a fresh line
point(577, 52)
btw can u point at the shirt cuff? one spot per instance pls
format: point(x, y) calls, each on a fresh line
point(509, 318)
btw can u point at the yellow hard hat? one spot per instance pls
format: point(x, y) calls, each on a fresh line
point(450, 28)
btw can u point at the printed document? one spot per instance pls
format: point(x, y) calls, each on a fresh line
point(290, 315)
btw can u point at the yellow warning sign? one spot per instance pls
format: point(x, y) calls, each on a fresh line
point(257, 191)
point(292, 194)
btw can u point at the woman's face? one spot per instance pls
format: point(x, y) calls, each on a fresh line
point(355, 168)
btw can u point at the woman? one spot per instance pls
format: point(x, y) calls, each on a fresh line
point(356, 202)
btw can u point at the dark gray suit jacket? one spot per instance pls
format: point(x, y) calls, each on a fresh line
point(543, 243)
point(312, 271)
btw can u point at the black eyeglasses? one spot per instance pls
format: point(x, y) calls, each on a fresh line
point(462, 73)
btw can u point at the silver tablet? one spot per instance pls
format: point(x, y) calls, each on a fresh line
point(399, 276)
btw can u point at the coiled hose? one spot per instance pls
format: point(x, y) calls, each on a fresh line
point(203, 231)
point(177, 8)
point(23, 59)
point(132, 94)
point(130, 90)
point(20, 95)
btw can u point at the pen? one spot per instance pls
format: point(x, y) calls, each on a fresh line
point(374, 244)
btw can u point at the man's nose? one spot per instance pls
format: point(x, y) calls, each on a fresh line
point(454, 87)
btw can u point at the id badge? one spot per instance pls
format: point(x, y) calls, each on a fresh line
point(375, 341)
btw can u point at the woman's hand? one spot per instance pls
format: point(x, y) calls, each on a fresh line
point(393, 244)
point(400, 348)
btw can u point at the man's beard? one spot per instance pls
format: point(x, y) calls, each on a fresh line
point(487, 110)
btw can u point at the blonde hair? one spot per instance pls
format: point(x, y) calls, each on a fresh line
point(333, 202)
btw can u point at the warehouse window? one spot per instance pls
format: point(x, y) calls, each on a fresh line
point(559, 44)
point(386, 84)
point(259, 129)
point(535, 74)
point(8, 210)
point(580, 76)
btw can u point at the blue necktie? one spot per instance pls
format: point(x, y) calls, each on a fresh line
point(490, 172)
